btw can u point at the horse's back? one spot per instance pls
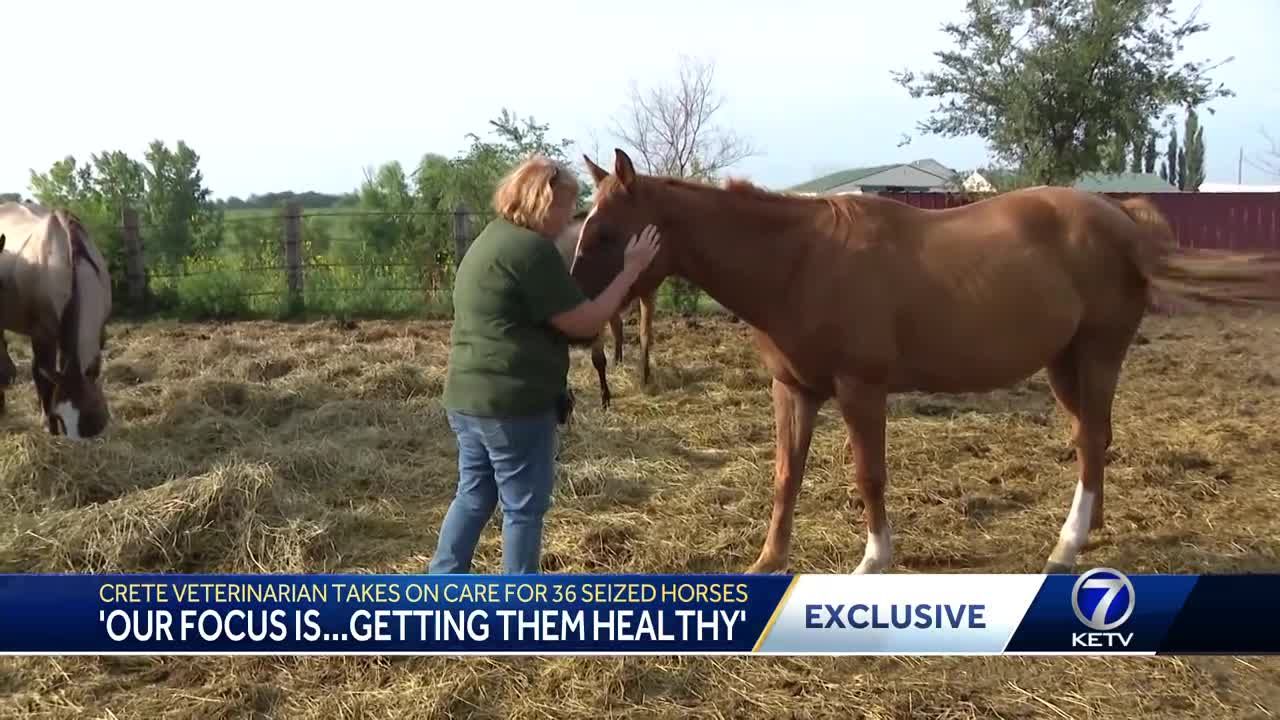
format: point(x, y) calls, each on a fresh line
point(1054, 229)
point(35, 269)
point(1001, 285)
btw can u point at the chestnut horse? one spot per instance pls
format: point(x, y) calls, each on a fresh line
point(567, 243)
point(856, 297)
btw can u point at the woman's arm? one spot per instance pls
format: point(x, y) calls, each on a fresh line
point(585, 320)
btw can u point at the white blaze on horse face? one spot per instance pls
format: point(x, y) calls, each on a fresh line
point(70, 418)
point(577, 248)
point(878, 554)
point(1075, 531)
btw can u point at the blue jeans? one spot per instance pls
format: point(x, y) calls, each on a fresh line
point(511, 459)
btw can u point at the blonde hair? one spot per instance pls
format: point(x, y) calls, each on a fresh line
point(525, 196)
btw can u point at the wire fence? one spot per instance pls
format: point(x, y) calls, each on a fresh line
point(290, 261)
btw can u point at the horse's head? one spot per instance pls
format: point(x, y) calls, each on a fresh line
point(79, 406)
point(621, 208)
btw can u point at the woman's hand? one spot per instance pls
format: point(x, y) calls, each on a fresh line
point(640, 250)
point(587, 319)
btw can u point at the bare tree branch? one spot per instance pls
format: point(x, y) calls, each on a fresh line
point(1268, 161)
point(671, 129)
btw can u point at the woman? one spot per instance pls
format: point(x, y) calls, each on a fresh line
point(515, 308)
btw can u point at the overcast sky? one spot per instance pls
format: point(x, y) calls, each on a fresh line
point(279, 95)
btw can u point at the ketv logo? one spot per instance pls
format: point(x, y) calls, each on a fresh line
point(1103, 600)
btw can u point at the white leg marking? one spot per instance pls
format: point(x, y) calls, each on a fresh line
point(1075, 531)
point(70, 418)
point(878, 554)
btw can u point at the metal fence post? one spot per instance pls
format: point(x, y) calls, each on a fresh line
point(293, 253)
point(461, 233)
point(135, 261)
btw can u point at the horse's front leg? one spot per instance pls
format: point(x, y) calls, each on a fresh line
point(8, 371)
point(863, 407)
point(44, 364)
point(795, 413)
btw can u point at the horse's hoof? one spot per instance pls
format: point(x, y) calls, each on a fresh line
point(872, 566)
point(767, 567)
point(1056, 568)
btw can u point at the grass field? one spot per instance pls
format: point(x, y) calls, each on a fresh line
point(320, 447)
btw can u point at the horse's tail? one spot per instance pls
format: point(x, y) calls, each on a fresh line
point(1215, 277)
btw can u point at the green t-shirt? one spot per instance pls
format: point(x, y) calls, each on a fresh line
point(506, 358)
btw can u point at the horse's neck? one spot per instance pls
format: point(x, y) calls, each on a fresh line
point(83, 315)
point(735, 249)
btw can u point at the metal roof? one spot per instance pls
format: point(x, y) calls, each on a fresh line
point(1123, 182)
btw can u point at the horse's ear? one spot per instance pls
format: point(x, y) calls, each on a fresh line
point(597, 173)
point(1, 242)
point(623, 168)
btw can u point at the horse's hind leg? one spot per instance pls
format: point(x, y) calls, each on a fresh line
point(646, 333)
point(1084, 382)
point(601, 364)
point(615, 326)
point(794, 416)
point(864, 407)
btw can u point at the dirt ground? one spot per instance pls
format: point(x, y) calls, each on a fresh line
point(320, 447)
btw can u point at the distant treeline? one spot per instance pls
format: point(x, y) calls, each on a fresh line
point(309, 200)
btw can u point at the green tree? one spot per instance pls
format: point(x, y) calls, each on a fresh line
point(1195, 153)
point(1113, 155)
point(1049, 83)
point(411, 215)
point(175, 208)
point(1170, 170)
point(1135, 163)
point(1149, 155)
point(186, 221)
point(388, 222)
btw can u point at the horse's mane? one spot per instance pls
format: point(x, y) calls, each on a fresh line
point(843, 207)
point(79, 251)
point(69, 332)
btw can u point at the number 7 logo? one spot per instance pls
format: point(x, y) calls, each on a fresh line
point(1113, 582)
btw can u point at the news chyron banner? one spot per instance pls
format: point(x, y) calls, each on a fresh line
point(1098, 612)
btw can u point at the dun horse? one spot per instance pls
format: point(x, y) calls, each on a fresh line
point(857, 297)
point(54, 288)
point(566, 244)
